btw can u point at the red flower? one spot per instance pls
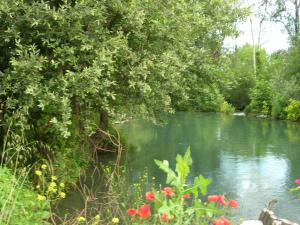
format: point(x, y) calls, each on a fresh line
point(144, 211)
point(131, 212)
point(221, 221)
point(213, 198)
point(233, 203)
point(221, 200)
point(186, 196)
point(150, 196)
point(216, 198)
point(164, 217)
point(168, 192)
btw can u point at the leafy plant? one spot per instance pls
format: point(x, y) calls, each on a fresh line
point(227, 108)
point(180, 203)
point(293, 110)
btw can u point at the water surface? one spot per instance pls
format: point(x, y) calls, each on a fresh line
point(252, 160)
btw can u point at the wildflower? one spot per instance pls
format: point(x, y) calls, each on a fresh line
point(52, 187)
point(37, 186)
point(297, 181)
point(41, 197)
point(38, 173)
point(53, 178)
point(62, 194)
point(164, 217)
point(233, 203)
point(213, 198)
point(150, 196)
point(221, 221)
point(44, 166)
point(153, 178)
point(144, 211)
point(52, 184)
point(97, 217)
point(62, 185)
point(186, 196)
point(216, 198)
point(81, 219)
point(115, 220)
point(221, 200)
point(168, 192)
point(131, 212)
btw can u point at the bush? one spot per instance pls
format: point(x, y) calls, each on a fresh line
point(227, 108)
point(261, 98)
point(293, 110)
point(18, 203)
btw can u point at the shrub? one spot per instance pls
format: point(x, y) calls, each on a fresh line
point(265, 108)
point(261, 98)
point(293, 110)
point(227, 108)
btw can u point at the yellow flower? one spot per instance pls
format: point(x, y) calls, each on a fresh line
point(81, 219)
point(38, 173)
point(97, 217)
point(115, 220)
point(52, 189)
point(62, 194)
point(52, 184)
point(41, 197)
point(44, 166)
point(37, 186)
point(153, 178)
point(53, 178)
point(62, 185)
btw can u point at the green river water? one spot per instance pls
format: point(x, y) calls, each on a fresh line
point(250, 159)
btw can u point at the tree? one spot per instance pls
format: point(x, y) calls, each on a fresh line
point(242, 77)
point(287, 13)
point(68, 67)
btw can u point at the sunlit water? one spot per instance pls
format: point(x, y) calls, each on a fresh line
point(249, 159)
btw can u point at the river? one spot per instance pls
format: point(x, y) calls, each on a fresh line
point(249, 159)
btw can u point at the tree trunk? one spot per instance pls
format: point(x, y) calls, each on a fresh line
point(297, 6)
point(254, 49)
point(2, 123)
point(100, 138)
point(103, 120)
point(77, 112)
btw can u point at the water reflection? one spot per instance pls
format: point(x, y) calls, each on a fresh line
point(250, 159)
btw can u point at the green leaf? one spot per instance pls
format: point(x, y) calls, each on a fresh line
point(183, 166)
point(171, 176)
point(199, 182)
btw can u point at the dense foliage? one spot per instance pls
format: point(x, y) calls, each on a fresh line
point(69, 66)
point(273, 90)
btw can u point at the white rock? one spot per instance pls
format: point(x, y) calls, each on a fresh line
point(239, 114)
point(252, 222)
